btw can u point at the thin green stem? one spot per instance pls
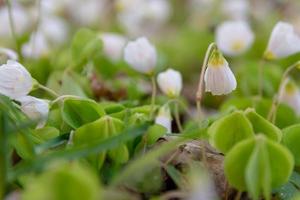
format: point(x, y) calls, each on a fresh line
point(273, 111)
point(51, 92)
point(153, 96)
point(177, 118)
point(199, 94)
point(2, 157)
point(61, 98)
point(13, 31)
point(261, 78)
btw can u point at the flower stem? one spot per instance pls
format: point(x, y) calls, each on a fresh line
point(260, 78)
point(273, 111)
point(51, 92)
point(60, 98)
point(153, 96)
point(177, 118)
point(199, 94)
point(13, 31)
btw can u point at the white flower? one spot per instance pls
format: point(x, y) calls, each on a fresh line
point(35, 109)
point(236, 9)
point(36, 47)
point(10, 54)
point(15, 80)
point(113, 45)
point(234, 37)
point(219, 79)
point(21, 20)
point(170, 82)
point(290, 95)
point(283, 42)
point(141, 55)
point(147, 19)
point(164, 118)
point(55, 29)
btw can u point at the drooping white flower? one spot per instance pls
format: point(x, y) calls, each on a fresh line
point(36, 47)
point(290, 95)
point(141, 55)
point(21, 20)
point(35, 109)
point(218, 78)
point(283, 42)
point(164, 118)
point(236, 9)
point(170, 82)
point(113, 45)
point(10, 54)
point(15, 80)
point(234, 37)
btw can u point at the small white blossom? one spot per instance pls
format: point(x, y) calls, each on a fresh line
point(141, 55)
point(170, 82)
point(218, 78)
point(146, 20)
point(113, 45)
point(236, 9)
point(35, 109)
point(10, 54)
point(290, 95)
point(234, 37)
point(21, 20)
point(283, 42)
point(36, 47)
point(164, 118)
point(15, 80)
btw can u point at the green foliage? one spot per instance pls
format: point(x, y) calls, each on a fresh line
point(291, 138)
point(258, 165)
point(64, 181)
point(229, 130)
point(263, 126)
point(76, 112)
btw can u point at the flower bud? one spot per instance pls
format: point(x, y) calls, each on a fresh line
point(35, 109)
point(141, 55)
point(113, 45)
point(283, 42)
point(15, 80)
point(218, 78)
point(237, 43)
point(164, 118)
point(290, 95)
point(170, 82)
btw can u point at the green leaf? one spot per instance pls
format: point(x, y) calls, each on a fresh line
point(263, 126)
point(78, 152)
point(76, 112)
point(85, 45)
point(44, 134)
point(62, 181)
point(258, 164)
point(229, 130)
point(154, 133)
point(291, 138)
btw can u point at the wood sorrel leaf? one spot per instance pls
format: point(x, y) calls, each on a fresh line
point(76, 112)
point(291, 138)
point(258, 165)
point(229, 130)
point(263, 126)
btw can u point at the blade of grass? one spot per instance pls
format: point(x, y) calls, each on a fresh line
point(75, 153)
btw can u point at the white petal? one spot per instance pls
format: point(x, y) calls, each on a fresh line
point(113, 45)
point(237, 43)
point(170, 82)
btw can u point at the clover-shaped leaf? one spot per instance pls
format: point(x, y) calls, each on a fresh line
point(258, 165)
point(229, 130)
